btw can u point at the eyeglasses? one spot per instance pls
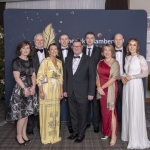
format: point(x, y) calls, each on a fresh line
point(76, 46)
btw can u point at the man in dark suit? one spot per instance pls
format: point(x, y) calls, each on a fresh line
point(95, 54)
point(120, 57)
point(65, 51)
point(79, 87)
point(39, 55)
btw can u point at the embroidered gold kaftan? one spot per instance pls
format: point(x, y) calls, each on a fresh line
point(49, 108)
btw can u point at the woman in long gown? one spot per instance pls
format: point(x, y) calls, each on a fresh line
point(23, 102)
point(50, 94)
point(108, 71)
point(133, 111)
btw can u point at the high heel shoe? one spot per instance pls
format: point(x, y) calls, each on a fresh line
point(114, 142)
point(27, 140)
point(20, 143)
point(104, 138)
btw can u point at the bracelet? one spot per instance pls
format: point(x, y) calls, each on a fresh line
point(24, 87)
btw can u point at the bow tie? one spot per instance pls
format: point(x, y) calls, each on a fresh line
point(40, 50)
point(76, 56)
point(64, 49)
point(119, 50)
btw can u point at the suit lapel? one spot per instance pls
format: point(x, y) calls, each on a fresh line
point(94, 48)
point(80, 63)
point(70, 64)
point(84, 50)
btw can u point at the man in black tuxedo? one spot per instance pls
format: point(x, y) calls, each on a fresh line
point(79, 87)
point(120, 57)
point(95, 54)
point(65, 51)
point(39, 55)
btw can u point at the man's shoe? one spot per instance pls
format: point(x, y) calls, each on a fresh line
point(30, 132)
point(96, 129)
point(79, 139)
point(88, 125)
point(72, 136)
point(70, 129)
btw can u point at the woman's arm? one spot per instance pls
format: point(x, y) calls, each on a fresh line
point(32, 89)
point(99, 88)
point(41, 93)
point(20, 83)
point(108, 83)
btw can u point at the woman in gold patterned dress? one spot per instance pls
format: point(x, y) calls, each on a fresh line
point(50, 94)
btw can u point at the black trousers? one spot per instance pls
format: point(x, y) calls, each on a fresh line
point(68, 117)
point(119, 100)
point(78, 113)
point(68, 112)
point(94, 108)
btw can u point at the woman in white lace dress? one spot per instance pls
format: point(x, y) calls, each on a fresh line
point(133, 110)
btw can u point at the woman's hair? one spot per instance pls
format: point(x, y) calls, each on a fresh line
point(21, 45)
point(111, 49)
point(138, 46)
point(53, 44)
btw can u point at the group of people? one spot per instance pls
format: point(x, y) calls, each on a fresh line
point(108, 79)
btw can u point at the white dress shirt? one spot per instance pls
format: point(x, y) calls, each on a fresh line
point(75, 63)
point(41, 56)
point(119, 58)
point(91, 50)
point(64, 52)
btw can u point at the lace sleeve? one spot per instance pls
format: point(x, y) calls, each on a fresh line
point(144, 69)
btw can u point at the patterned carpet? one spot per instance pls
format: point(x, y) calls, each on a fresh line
point(92, 140)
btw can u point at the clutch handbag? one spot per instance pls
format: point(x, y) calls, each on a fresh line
point(98, 96)
point(44, 80)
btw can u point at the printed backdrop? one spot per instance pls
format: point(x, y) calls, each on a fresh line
point(22, 24)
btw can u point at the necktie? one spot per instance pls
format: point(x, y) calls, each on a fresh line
point(76, 56)
point(119, 50)
point(40, 50)
point(89, 52)
point(64, 49)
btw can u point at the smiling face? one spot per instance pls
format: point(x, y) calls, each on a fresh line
point(25, 50)
point(107, 52)
point(118, 41)
point(77, 48)
point(53, 51)
point(64, 40)
point(90, 39)
point(133, 47)
point(39, 41)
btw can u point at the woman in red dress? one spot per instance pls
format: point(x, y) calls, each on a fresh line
point(108, 71)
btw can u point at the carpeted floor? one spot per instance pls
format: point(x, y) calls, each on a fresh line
point(92, 140)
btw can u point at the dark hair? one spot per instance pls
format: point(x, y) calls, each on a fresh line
point(53, 44)
point(77, 40)
point(90, 33)
point(138, 46)
point(22, 44)
point(111, 48)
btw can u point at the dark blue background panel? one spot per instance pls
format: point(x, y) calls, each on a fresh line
point(22, 25)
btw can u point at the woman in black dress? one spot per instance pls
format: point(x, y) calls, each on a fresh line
point(23, 102)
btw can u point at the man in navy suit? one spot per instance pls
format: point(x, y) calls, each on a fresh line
point(95, 53)
point(39, 55)
point(65, 51)
point(79, 87)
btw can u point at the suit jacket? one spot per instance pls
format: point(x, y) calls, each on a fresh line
point(82, 83)
point(35, 59)
point(70, 52)
point(124, 55)
point(96, 54)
